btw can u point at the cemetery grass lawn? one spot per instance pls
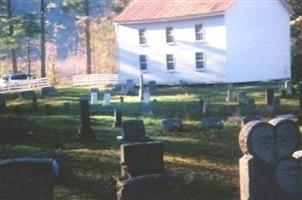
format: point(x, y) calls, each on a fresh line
point(207, 160)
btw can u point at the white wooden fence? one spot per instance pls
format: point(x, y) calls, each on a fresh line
point(95, 79)
point(24, 85)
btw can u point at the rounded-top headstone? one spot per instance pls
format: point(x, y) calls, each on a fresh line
point(289, 176)
point(256, 138)
point(286, 137)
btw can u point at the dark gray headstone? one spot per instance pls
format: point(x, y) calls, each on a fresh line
point(242, 98)
point(118, 114)
point(152, 86)
point(212, 122)
point(142, 158)
point(27, 179)
point(276, 104)
point(14, 129)
point(28, 95)
point(171, 125)
point(49, 92)
point(129, 87)
point(133, 131)
point(270, 94)
point(150, 187)
point(86, 133)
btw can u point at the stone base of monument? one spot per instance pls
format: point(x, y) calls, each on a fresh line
point(86, 135)
point(150, 187)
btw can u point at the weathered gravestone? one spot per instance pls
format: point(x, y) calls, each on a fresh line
point(2, 102)
point(15, 129)
point(264, 145)
point(203, 106)
point(146, 97)
point(129, 87)
point(242, 98)
point(212, 122)
point(49, 92)
point(142, 158)
point(133, 131)
point(288, 85)
point(86, 133)
point(270, 94)
point(107, 99)
point(276, 105)
point(141, 87)
point(28, 95)
point(27, 179)
point(171, 125)
point(150, 187)
point(118, 114)
point(152, 86)
point(93, 98)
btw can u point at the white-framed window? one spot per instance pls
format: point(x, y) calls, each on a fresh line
point(199, 60)
point(142, 36)
point(170, 62)
point(199, 32)
point(143, 62)
point(169, 35)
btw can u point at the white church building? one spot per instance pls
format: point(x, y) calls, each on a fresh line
point(204, 41)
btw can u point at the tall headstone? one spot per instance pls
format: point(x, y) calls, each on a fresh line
point(141, 87)
point(146, 97)
point(203, 106)
point(265, 145)
point(86, 132)
point(288, 85)
point(93, 98)
point(118, 117)
point(270, 94)
point(107, 99)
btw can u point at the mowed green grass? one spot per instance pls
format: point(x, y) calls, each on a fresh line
point(207, 160)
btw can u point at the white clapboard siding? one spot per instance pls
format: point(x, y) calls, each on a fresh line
point(25, 85)
point(95, 79)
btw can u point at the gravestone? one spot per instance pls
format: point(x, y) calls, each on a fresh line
point(95, 90)
point(133, 131)
point(129, 87)
point(49, 92)
point(2, 102)
point(48, 109)
point(35, 104)
point(141, 87)
point(265, 145)
point(171, 125)
point(276, 105)
point(203, 106)
point(27, 179)
point(86, 133)
point(118, 118)
point(228, 96)
point(288, 85)
point(212, 122)
point(163, 186)
point(152, 86)
point(15, 129)
point(64, 171)
point(28, 95)
point(270, 94)
point(107, 99)
point(142, 158)
point(146, 97)
point(93, 98)
point(242, 98)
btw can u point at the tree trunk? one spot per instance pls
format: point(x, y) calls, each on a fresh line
point(88, 37)
point(11, 33)
point(43, 40)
